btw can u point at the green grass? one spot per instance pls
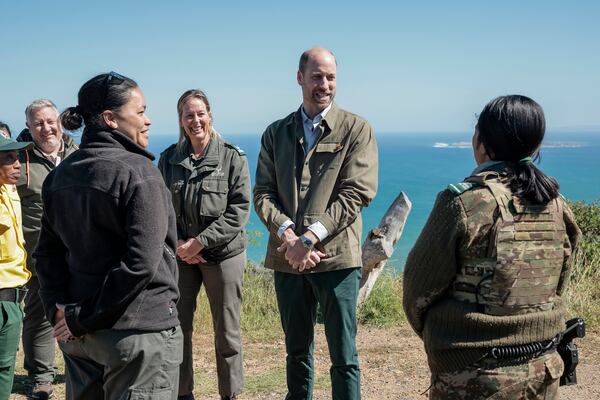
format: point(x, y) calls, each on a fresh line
point(582, 294)
point(383, 307)
point(260, 316)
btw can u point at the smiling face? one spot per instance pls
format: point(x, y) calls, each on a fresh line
point(317, 80)
point(131, 120)
point(10, 168)
point(196, 121)
point(45, 129)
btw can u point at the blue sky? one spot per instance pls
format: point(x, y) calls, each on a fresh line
point(426, 67)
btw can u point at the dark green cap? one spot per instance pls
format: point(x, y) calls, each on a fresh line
point(7, 144)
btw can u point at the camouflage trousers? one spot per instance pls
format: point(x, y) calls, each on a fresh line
point(536, 379)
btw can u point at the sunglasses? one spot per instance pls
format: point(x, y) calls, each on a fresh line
point(112, 78)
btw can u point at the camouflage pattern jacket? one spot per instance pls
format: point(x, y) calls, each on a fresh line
point(457, 332)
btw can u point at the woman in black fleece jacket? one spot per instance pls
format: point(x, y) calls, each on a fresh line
point(105, 256)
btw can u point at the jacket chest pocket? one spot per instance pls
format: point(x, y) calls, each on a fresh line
point(326, 156)
point(176, 196)
point(213, 197)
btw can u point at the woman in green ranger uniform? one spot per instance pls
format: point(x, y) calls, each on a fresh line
point(210, 186)
point(482, 284)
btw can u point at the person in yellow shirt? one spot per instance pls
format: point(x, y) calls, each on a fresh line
point(13, 271)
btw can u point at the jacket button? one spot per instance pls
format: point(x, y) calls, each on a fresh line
point(303, 187)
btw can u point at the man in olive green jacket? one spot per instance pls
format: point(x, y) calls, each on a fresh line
point(316, 170)
point(51, 146)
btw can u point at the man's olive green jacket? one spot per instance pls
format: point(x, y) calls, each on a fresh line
point(330, 184)
point(34, 170)
point(211, 196)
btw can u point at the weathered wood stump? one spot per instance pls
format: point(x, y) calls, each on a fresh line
point(379, 244)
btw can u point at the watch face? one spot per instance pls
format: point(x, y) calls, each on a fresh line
point(306, 242)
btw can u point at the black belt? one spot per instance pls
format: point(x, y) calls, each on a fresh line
point(15, 295)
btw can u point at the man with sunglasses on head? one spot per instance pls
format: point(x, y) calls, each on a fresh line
point(50, 147)
point(13, 270)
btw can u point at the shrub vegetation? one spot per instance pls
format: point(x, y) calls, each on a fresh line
point(383, 308)
point(583, 291)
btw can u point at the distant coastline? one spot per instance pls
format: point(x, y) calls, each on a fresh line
point(549, 145)
point(411, 163)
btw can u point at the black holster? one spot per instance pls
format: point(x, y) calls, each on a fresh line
point(575, 328)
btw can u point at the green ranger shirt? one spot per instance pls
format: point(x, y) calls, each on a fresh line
point(211, 196)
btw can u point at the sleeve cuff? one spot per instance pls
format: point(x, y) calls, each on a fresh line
point(71, 314)
point(203, 240)
point(319, 230)
point(284, 226)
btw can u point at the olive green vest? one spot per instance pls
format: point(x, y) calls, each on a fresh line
point(525, 253)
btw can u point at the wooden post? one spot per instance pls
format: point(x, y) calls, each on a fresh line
point(379, 244)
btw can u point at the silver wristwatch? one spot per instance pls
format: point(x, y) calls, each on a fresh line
point(306, 242)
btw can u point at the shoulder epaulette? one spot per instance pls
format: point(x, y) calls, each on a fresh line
point(236, 148)
point(460, 188)
point(169, 148)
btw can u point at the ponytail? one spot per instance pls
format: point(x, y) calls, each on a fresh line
point(511, 129)
point(103, 92)
point(528, 182)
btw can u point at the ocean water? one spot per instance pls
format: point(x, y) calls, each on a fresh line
point(421, 165)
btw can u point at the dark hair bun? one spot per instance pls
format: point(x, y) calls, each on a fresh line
point(71, 119)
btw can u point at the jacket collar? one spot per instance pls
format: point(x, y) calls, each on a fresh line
point(332, 117)
point(68, 142)
point(94, 139)
point(211, 155)
point(329, 121)
point(494, 166)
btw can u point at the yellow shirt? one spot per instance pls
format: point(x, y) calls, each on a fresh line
point(13, 272)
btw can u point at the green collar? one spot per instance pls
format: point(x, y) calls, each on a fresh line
point(184, 157)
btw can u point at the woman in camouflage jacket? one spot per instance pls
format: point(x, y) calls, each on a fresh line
point(482, 284)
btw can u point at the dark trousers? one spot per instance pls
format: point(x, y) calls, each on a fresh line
point(11, 317)
point(297, 297)
point(223, 284)
point(38, 337)
point(123, 365)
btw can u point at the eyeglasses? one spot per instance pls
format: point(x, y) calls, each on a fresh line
point(112, 78)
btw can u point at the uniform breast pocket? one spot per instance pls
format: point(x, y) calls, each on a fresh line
point(213, 199)
point(176, 189)
point(327, 156)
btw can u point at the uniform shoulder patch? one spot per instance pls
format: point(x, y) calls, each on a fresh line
point(461, 187)
point(236, 148)
point(169, 148)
